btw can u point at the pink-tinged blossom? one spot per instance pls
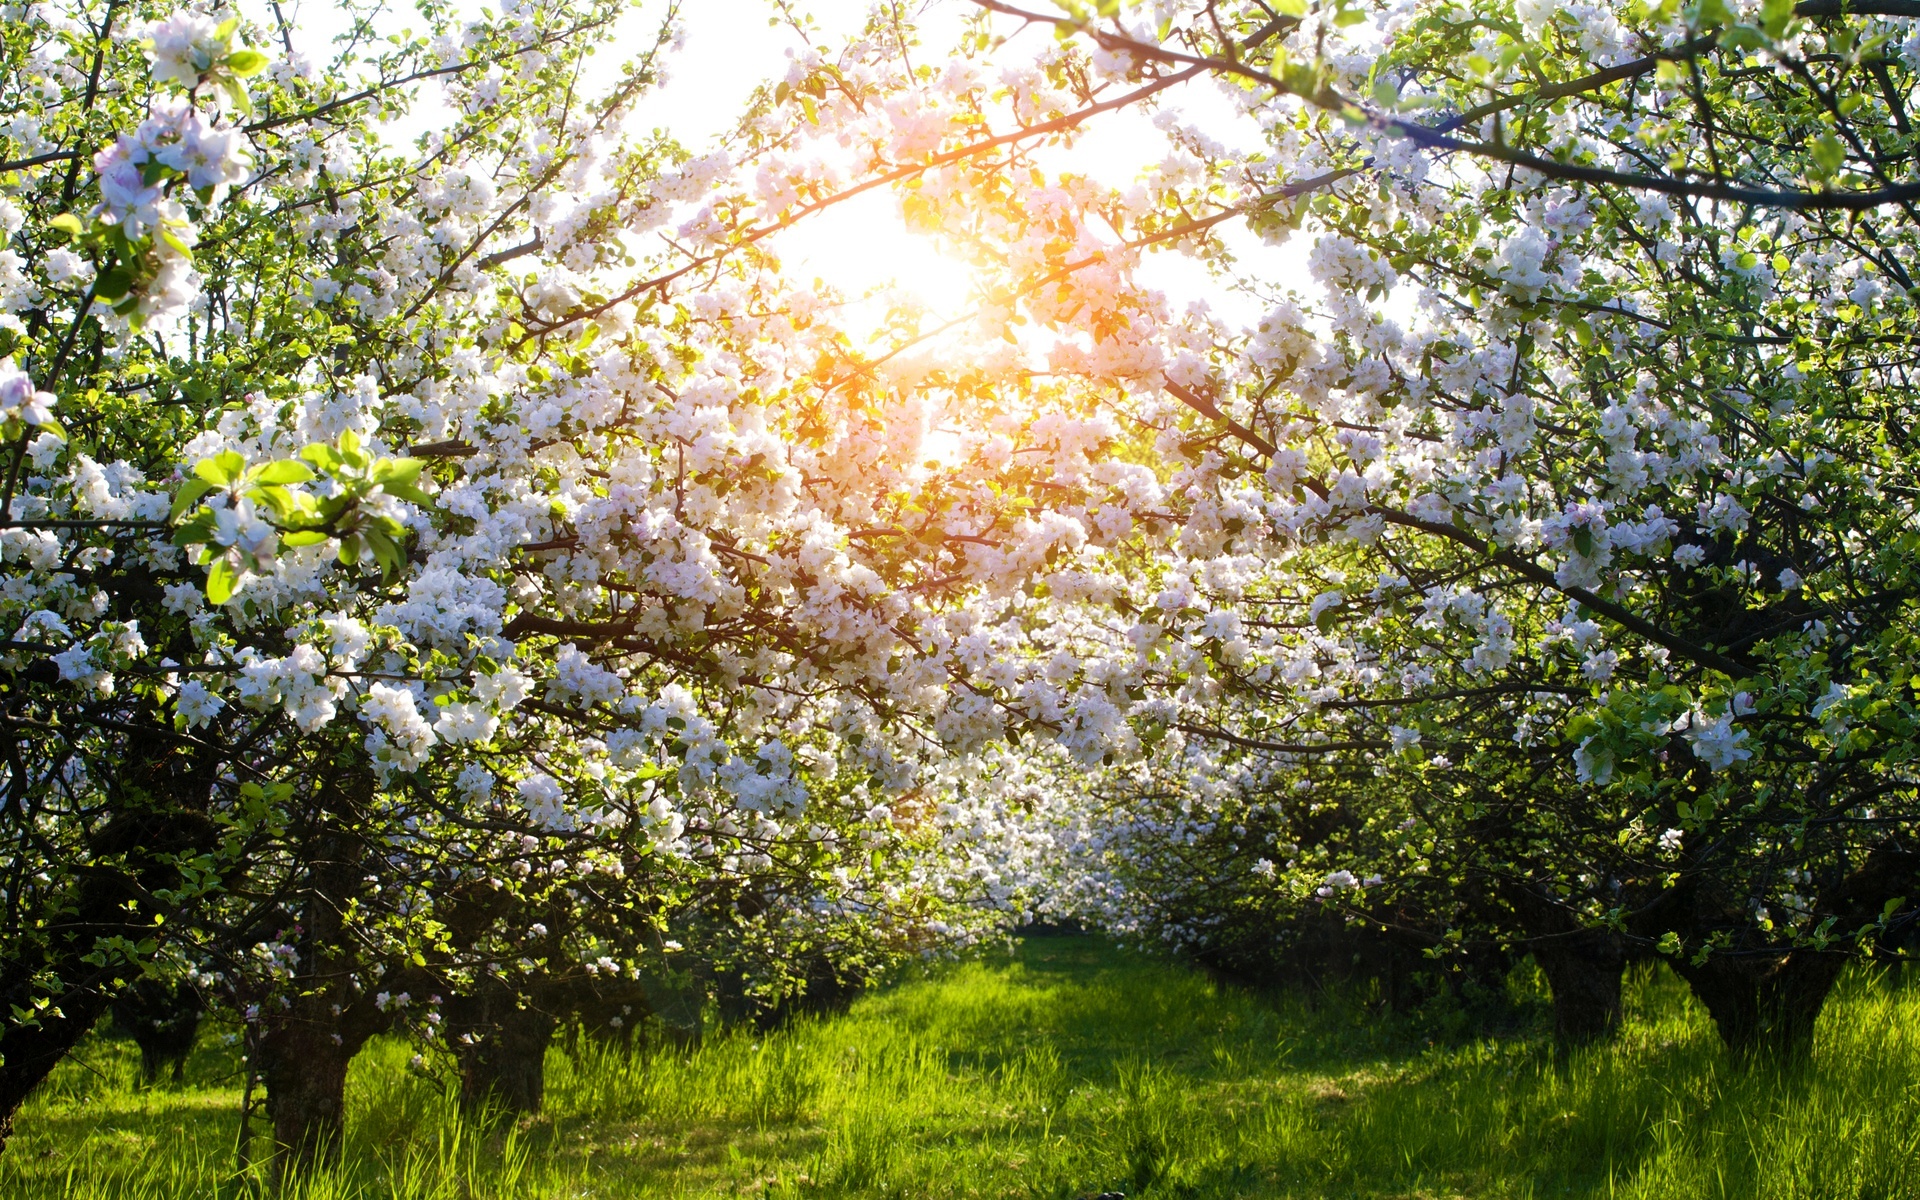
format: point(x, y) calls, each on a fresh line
point(20, 400)
point(184, 47)
point(126, 198)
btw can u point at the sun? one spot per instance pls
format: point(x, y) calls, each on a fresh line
point(863, 250)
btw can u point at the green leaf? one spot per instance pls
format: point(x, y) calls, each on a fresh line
point(1289, 8)
point(243, 63)
point(285, 470)
point(274, 497)
point(321, 455)
point(196, 531)
point(68, 224)
point(113, 284)
point(222, 469)
point(179, 246)
point(237, 93)
point(409, 493)
point(189, 493)
point(1828, 153)
point(303, 537)
point(1709, 13)
point(1583, 540)
point(386, 553)
point(221, 580)
point(398, 470)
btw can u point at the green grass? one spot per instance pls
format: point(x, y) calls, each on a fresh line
point(1065, 1070)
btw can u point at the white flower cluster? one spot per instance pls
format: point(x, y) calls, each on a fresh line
point(400, 738)
point(298, 684)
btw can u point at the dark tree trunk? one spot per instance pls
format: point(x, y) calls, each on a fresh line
point(1583, 966)
point(1765, 1000)
point(304, 1051)
point(33, 1051)
point(612, 1012)
point(307, 1039)
point(163, 1021)
point(830, 987)
point(304, 1064)
point(501, 1040)
point(158, 800)
point(1765, 1007)
point(500, 1033)
point(1583, 970)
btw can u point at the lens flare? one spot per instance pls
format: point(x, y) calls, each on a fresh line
point(863, 250)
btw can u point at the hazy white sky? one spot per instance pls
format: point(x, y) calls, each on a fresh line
point(730, 46)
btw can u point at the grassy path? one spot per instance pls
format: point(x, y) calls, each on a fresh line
point(1070, 1070)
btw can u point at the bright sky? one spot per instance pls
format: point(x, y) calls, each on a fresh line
point(730, 46)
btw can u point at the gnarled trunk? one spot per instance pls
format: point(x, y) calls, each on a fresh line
point(1583, 966)
point(1765, 1000)
point(163, 1020)
point(501, 1040)
point(1765, 1007)
point(159, 791)
point(308, 1039)
point(1583, 970)
point(33, 1051)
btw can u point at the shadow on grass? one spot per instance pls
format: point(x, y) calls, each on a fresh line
point(1070, 1069)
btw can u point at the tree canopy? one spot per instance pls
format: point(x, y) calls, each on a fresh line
point(456, 567)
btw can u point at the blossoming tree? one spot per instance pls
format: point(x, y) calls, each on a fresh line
point(1576, 429)
point(425, 553)
point(411, 545)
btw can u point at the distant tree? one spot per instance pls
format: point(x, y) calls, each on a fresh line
point(1593, 438)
